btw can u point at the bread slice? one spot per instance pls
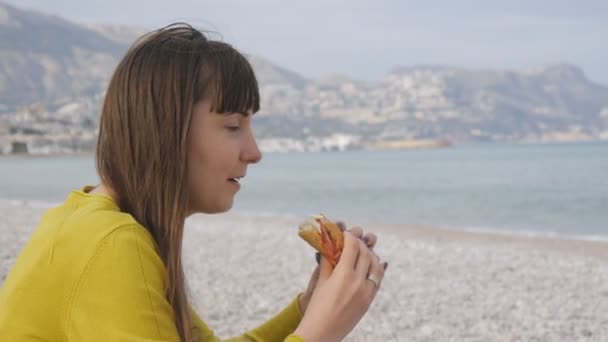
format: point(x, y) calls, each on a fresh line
point(323, 235)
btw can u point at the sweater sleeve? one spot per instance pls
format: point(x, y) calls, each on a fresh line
point(120, 294)
point(279, 328)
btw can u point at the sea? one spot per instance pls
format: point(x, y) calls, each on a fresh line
point(534, 189)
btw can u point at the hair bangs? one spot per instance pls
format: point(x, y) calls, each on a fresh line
point(233, 85)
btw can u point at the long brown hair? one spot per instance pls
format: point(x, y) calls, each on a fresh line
point(143, 134)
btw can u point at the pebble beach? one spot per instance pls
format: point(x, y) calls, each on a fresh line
point(441, 285)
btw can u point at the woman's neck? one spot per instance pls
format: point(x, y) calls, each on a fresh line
point(103, 189)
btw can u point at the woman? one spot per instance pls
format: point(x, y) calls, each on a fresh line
point(175, 138)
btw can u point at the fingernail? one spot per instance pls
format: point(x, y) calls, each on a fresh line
point(385, 265)
point(318, 258)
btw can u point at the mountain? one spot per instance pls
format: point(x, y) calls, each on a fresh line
point(121, 34)
point(44, 59)
point(550, 103)
point(53, 74)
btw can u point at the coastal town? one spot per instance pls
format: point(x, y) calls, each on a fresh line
point(413, 108)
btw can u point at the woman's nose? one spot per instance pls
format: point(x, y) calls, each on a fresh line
point(251, 153)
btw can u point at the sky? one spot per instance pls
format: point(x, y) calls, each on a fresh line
point(367, 39)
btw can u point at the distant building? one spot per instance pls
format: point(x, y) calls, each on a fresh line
point(19, 147)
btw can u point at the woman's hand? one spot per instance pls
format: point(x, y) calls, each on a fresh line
point(342, 295)
point(370, 241)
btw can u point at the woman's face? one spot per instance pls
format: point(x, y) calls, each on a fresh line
point(220, 148)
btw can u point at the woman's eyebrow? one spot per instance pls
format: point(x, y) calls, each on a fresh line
point(234, 114)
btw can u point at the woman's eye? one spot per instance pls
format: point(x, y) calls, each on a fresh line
point(233, 128)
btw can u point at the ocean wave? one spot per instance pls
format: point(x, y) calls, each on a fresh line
point(544, 233)
point(34, 204)
point(251, 216)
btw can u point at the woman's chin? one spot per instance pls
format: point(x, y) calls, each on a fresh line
point(217, 208)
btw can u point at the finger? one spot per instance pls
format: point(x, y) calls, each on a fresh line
point(364, 261)
point(376, 273)
point(314, 278)
point(356, 231)
point(325, 270)
point(341, 225)
point(370, 240)
point(350, 253)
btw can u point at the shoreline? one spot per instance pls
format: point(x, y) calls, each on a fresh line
point(406, 145)
point(574, 245)
point(46, 155)
point(581, 245)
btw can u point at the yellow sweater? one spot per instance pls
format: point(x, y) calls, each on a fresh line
point(92, 273)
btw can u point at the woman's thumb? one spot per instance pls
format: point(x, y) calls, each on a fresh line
point(325, 269)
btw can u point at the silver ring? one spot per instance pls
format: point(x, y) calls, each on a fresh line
point(374, 280)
